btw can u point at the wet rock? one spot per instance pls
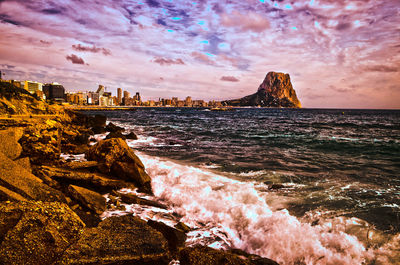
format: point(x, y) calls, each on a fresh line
point(36, 232)
point(131, 136)
point(133, 199)
point(119, 240)
point(21, 181)
point(176, 238)
point(88, 198)
point(183, 227)
point(202, 255)
point(112, 128)
point(276, 187)
point(118, 159)
point(98, 123)
point(117, 134)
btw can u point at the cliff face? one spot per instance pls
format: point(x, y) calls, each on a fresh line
point(275, 91)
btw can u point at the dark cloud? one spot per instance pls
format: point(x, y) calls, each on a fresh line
point(52, 11)
point(161, 22)
point(6, 19)
point(381, 68)
point(93, 49)
point(229, 79)
point(45, 42)
point(75, 59)
point(153, 3)
point(164, 61)
point(343, 26)
point(217, 9)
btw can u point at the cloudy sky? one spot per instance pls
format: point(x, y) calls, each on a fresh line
point(339, 53)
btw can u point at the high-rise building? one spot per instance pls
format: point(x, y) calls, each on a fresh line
point(119, 96)
point(100, 90)
point(54, 91)
point(32, 87)
point(188, 101)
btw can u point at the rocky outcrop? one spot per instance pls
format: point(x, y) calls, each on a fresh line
point(275, 91)
point(36, 232)
point(118, 159)
point(119, 240)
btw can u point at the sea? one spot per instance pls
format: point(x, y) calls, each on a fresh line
point(299, 186)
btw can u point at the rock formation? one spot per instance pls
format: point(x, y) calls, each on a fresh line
point(275, 91)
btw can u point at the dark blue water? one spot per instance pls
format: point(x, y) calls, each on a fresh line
point(346, 162)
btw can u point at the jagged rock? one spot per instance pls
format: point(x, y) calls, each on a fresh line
point(276, 187)
point(111, 127)
point(176, 238)
point(116, 134)
point(183, 227)
point(90, 199)
point(133, 199)
point(9, 195)
point(131, 136)
point(98, 123)
point(80, 165)
point(118, 159)
point(119, 240)
point(275, 91)
point(202, 255)
point(92, 180)
point(21, 181)
point(36, 232)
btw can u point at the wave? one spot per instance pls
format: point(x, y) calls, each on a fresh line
point(227, 213)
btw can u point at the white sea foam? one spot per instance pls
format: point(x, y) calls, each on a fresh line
point(240, 214)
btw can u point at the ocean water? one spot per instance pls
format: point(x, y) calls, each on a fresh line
point(336, 172)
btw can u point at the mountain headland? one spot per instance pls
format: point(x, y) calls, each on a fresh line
point(275, 91)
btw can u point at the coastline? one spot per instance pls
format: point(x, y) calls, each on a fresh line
point(52, 207)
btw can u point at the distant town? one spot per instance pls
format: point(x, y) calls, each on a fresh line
point(56, 92)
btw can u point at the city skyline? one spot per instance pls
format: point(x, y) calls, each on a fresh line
point(339, 54)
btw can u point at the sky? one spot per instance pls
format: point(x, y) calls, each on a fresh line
point(339, 53)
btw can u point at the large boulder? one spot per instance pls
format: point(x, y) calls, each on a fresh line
point(118, 159)
point(176, 238)
point(119, 240)
point(36, 232)
point(19, 180)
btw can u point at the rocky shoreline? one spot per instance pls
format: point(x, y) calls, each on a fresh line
point(51, 207)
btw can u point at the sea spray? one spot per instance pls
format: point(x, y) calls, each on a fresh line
point(241, 213)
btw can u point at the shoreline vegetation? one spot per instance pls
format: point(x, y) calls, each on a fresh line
point(51, 207)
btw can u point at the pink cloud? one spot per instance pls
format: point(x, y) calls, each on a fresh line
point(245, 22)
point(202, 57)
point(229, 79)
point(164, 61)
point(75, 59)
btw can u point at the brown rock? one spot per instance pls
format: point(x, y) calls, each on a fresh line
point(111, 127)
point(131, 136)
point(9, 142)
point(36, 232)
point(8, 195)
point(133, 199)
point(119, 240)
point(21, 181)
point(75, 175)
point(117, 134)
point(120, 160)
point(201, 255)
point(90, 199)
point(176, 238)
point(80, 165)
